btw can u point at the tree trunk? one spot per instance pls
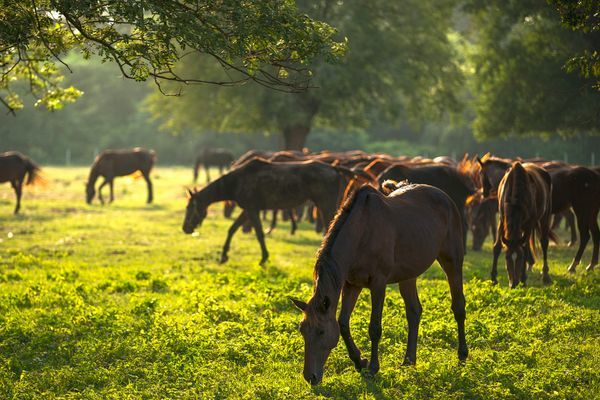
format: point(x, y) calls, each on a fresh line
point(295, 136)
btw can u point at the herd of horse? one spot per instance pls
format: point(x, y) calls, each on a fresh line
point(388, 219)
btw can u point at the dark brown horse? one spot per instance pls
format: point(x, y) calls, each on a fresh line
point(14, 167)
point(112, 163)
point(456, 185)
point(481, 215)
point(572, 186)
point(525, 206)
point(376, 240)
point(220, 158)
point(579, 188)
point(263, 185)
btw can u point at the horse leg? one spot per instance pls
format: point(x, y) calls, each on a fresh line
point(111, 187)
point(584, 236)
point(377, 300)
point(207, 173)
point(273, 223)
point(408, 290)
point(544, 240)
point(349, 297)
point(293, 220)
point(596, 242)
point(18, 188)
point(452, 266)
point(570, 218)
point(149, 183)
point(496, 253)
point(232, 229)
point(100, 191)
point(257, 225)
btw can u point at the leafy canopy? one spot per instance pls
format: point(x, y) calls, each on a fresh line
point(399, 64)
point(266, 41)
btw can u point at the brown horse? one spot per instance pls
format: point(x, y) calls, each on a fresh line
point(263, 185)
point(481, 215)
point(456, 185)
point(579, 188)
point(572, 186)
point(373, 241)
point(14, 166)
point(220, 158)
point(525, 206)
point(112, 163)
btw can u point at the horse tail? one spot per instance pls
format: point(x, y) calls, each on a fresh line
point(33, 172)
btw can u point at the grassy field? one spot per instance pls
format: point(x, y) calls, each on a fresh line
point(116, 302)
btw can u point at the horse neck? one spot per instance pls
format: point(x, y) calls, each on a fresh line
point(329, 280)
point(93, 177)
point(215, 191)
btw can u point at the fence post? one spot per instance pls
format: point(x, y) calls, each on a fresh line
point(566, 158)
point(68, 157)
point(593, 159)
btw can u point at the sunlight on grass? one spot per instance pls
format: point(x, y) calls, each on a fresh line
point(116, 302)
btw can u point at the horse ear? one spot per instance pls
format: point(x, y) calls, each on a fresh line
point(299, 304)
point(485, 157)
point(189, 193)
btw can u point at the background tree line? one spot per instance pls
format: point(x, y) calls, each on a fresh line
point(418, 77)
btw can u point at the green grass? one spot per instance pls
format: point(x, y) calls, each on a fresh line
point(116, 302)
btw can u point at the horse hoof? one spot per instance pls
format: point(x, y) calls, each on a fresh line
point(546, 280)
point(373, 369)
point(224, 259)
point(572, 268)
point(571, 244)
point(408, 362)
point(263, 262)
point(494, 281)
point(462, 355)
point(590, 267)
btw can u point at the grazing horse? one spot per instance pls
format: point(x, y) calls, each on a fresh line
point(263, 185)
point(14, 166)
point(481, 214)
point(373, 241)
point(576, 187)
point(525, 206)
point(456, 185)
point(112, 163)
point(220, 158)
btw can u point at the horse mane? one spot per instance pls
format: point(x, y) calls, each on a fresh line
point(335, 227)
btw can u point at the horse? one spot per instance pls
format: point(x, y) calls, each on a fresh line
point(373, 241)
point(579, 188)
point(220, 158)
point(112, 163)
point(481, 215)
point(14, 167)
point(456, 185)
point(572, 186)
point(259, 185)
point(525, 206)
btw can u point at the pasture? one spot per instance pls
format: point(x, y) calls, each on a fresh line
point(116, 302)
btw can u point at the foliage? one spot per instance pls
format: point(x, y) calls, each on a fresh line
point(254, 40)
point(519, 82)
point(583, 15)
point(399, 64)
point(115, 302)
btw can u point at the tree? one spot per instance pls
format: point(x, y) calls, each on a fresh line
point(584, 16)
point(399, 64)
point(520, 85)
point(261, 41)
